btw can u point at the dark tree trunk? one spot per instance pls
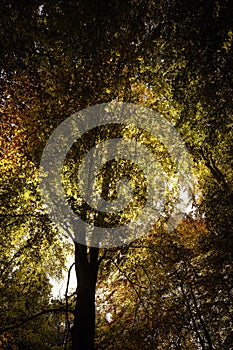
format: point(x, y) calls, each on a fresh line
point(83, 330)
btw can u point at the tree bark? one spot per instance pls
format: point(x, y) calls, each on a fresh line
point(86, 266)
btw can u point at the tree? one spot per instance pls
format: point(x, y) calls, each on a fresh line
point(61, 57)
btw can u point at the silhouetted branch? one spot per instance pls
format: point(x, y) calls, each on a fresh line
point(67, 306)
point(33, 317)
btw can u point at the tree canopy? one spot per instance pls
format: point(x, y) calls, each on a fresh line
point(163, 291)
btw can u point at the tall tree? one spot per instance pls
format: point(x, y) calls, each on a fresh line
point(60, 57)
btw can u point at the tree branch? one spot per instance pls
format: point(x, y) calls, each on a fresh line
point(33, 317)
point(67, 306)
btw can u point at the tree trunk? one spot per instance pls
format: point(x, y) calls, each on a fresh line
point(86, 266)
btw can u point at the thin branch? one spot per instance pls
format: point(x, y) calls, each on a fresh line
point(206, 333)
point(132, 285)
point(192, 317)
point(67, 306)
point(211, 165)
point(33, 317)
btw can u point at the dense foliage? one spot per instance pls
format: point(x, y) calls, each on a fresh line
point(57, 57)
